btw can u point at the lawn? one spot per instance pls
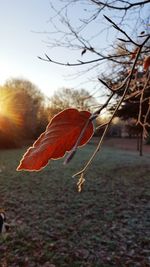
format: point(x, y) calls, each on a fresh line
point(107, 224)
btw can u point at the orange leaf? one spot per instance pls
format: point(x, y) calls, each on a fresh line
point(146, 63)
point(134, 53)
point(60, 136)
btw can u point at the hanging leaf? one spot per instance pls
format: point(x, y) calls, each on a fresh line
point(83, 52)
point(146, 63)
point(134, 53)
point(60, 136)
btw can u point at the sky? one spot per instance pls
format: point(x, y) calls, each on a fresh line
point(22, 27)
point(21, 44)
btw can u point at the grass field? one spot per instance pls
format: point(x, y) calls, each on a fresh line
point(107, 224)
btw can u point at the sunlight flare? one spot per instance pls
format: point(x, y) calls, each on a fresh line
point(8, 111)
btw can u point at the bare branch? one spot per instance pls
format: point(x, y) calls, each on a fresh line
point(125, 7)
point(82, 172)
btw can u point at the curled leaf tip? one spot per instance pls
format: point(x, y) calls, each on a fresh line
point(80, 182)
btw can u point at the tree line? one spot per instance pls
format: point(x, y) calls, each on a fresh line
point(25, 111)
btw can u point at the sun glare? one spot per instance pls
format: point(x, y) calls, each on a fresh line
point(8, 112)
point(3, 108)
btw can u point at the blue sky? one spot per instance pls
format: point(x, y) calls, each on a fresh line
point(22, 23)
point(20, 45)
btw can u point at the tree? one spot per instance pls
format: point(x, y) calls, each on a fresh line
point(130, 27)
point(20, 102)
point(66, 98)
point(135, 106)
point(43, 117)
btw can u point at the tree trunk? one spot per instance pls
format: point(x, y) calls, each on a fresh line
point(141, 143)
point(138, 142)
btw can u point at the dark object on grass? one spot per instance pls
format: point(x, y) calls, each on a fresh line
point(4, 227)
